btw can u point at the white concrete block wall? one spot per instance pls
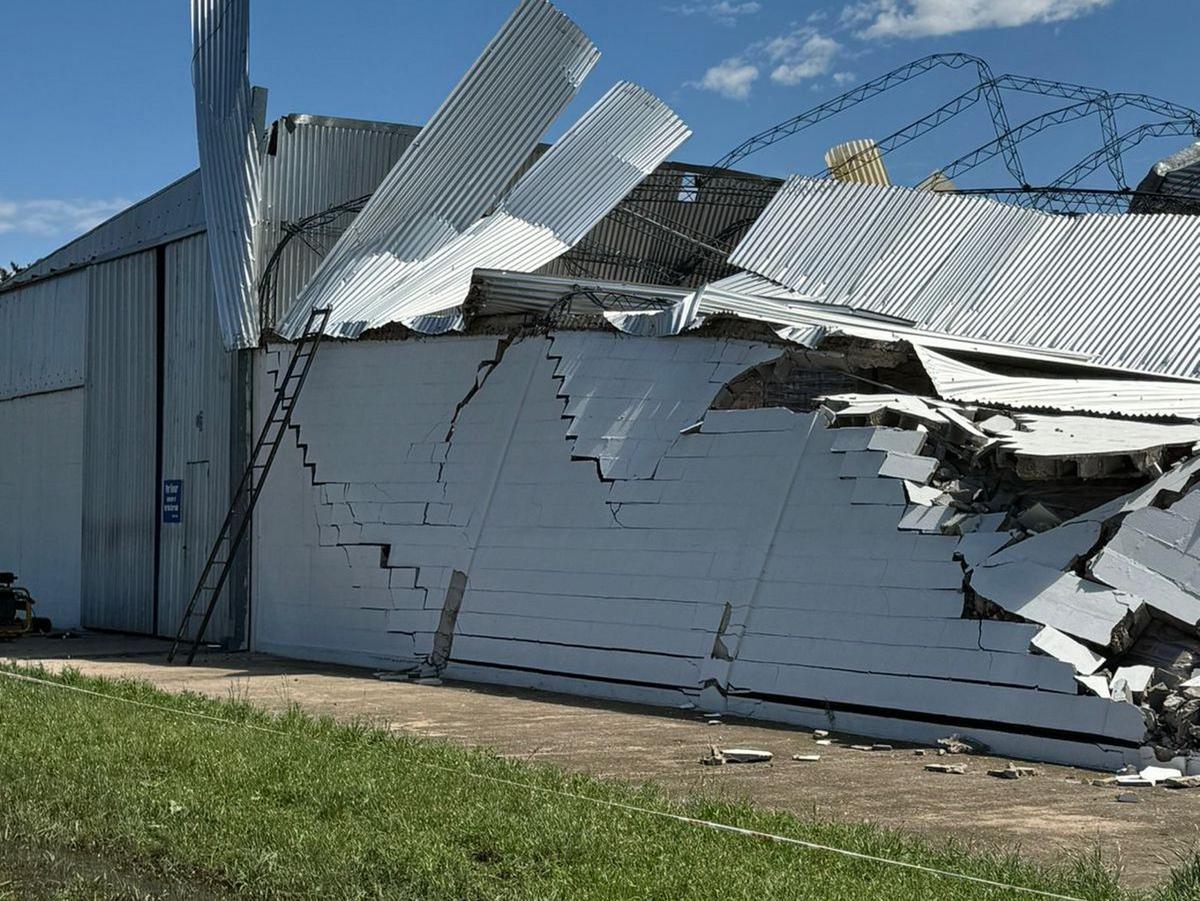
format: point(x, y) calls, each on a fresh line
point(756, 560)
point(41, 498)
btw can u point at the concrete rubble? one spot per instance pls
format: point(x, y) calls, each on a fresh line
point(1086, 526)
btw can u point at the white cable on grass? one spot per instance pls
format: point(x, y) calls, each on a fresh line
point(633, 808)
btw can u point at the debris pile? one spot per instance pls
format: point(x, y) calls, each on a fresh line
point(1086, 525)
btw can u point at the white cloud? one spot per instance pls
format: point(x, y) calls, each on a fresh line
point(841, 79)
point(50, 218)
point(800, 54)
point(723, 12)
point(924, 18)
point(731, 78)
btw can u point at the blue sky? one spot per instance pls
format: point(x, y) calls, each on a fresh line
point(98, 108)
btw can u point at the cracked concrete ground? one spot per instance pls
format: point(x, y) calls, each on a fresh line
point(1042, 816)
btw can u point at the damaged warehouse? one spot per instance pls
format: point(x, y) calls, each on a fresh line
point(897, 461)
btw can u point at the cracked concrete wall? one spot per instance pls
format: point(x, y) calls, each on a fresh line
point(609, 545)
point(41, 499)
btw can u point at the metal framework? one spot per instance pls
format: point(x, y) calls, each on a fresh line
point(876, 86)
point(1088, 101)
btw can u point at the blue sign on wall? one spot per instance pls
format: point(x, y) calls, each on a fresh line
point(172, 500)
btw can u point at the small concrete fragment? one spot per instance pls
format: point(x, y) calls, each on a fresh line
point(1012, 771)
point(1062, 647)
point(956, 744)
point(954, 768)
point(745, 755)
point(806, 758)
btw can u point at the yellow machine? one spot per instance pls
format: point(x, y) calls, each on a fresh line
point(16, 610)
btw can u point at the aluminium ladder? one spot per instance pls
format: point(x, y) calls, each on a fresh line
point(237, 520)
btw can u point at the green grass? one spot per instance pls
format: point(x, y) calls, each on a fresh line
point(147, 803)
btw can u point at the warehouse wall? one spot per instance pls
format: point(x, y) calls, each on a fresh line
point(41, 496)
point(120, 445)
point(565, 512)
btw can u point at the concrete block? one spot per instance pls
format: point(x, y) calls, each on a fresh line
point(912, 468)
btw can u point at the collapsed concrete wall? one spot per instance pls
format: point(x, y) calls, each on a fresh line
point(41, 499)
point(564, 511)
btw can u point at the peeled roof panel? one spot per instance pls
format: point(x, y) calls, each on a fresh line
point(960, 381)
point(461, 162)
point(1081, 436)
point(1119, 288)
point(613, 146)
point(229, 163)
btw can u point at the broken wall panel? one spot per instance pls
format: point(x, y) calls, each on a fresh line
point(730, 547)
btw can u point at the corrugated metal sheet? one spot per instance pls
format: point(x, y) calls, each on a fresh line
point(41, 335)
point(1121, 289)
point(858, 161)
point(174, 212)
point(463, 160)
point(955, 380)
point(228, 160)
point(614, 145)
point(314, 163)
point(119, 446)
point(196, 423)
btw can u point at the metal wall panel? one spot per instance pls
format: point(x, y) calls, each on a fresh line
point(120, 446)
point(195, 439)
point(41, 336)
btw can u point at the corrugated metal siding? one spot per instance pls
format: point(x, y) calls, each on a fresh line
point(313, 164)
point(612, 147)
point(196, 422)
point(464, 158)
point(175, 211)
point(119, 446)
point(1122, 289)
point(41, 336)
point(228, 141)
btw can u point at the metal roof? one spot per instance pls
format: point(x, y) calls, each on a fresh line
point(229, 163)
point(1122, 290)
point(956, 380)
point(462, 161)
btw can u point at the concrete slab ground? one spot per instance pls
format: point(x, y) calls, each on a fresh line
point(1042, 816)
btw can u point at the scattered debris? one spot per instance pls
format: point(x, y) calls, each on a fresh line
point(820, 733)
point(806, 758)
point(1128, 798)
